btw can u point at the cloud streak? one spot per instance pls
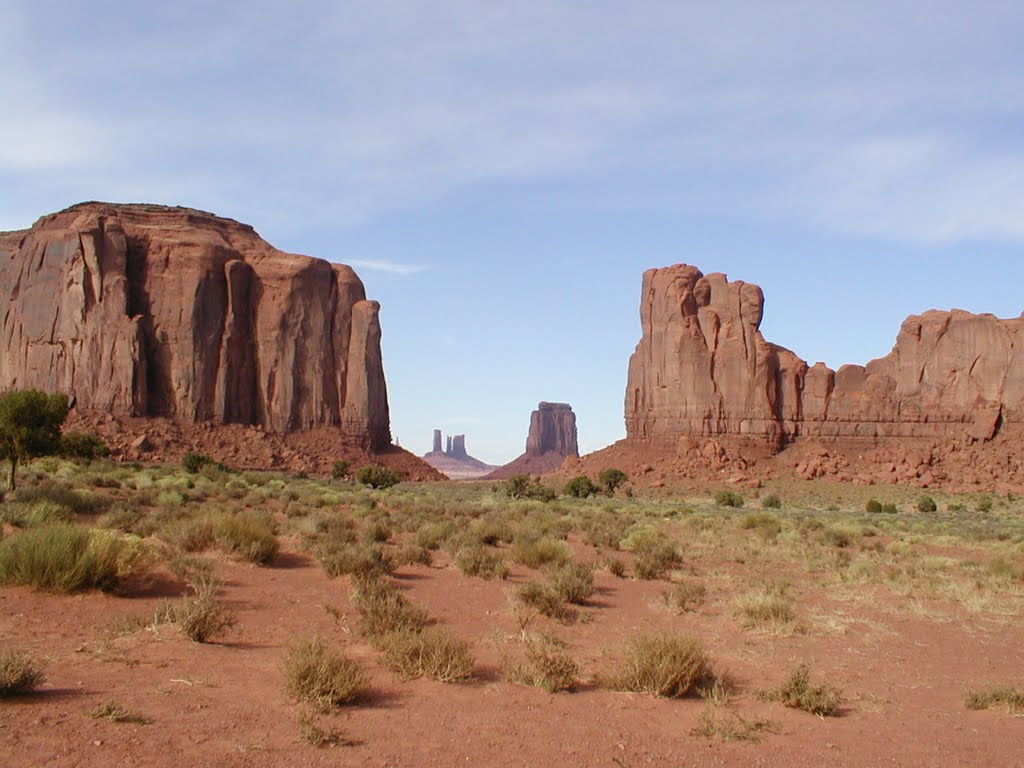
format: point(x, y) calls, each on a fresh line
point(390, 267)
point(874, 119)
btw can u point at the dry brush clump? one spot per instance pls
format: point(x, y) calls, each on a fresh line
point(797, 692)
point(662, 664)
point(433, 653)
point(770, 608)
point(19, 674)
point(732, 727)
point(68, 558)
point(546, 666)
point(111, 710)
point(1003, 696)
point(477, 560)
point(323, 676)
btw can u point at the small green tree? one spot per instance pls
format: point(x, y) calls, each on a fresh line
point(30, 422)
point(580, 487)
point(610, 479)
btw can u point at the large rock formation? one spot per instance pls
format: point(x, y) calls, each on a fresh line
point(454, 461)
point(702, 375)
point(703, 369)
point(145, 310)
point(551, 440)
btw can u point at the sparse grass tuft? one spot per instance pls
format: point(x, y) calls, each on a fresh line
point(323, 676)
point(248, 534)
point(547, 667)
point(797, 692)
point(732, 727)
point(436, 654)
point(572, 582)
point(68, 558)
point(1010, 698)
point(201, 617)
point(19, 674)
point(770, 608)
point(765, 524)
point(111, 710)
point(477, 560)
point(666, 665)
point(685, 596)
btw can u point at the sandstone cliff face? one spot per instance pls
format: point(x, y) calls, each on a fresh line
point(702, 369)
point(142, 310)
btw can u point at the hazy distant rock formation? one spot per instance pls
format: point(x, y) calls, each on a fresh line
point(454, 461)
point(552, 438)
point(702, 376)
point(146, 310)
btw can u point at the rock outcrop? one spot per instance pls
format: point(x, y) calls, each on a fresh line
point(454, 461)
point(705, 385)
point(146, 311)
point(551, 440)
point(702, 369)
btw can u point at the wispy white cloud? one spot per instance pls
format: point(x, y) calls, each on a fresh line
point(387, 266)
point(872, 118)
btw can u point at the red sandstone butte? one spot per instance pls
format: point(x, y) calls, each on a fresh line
point(152, 311)
point(552, 438)
point(947, 404)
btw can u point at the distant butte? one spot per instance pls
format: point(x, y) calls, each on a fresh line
point(454, 461)
point(552, 439)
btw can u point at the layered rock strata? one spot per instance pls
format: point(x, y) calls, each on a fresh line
point(703, 370)
point(145, 310)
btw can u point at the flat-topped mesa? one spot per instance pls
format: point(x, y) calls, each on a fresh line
point(147, 310)
point(703, 369)
point(552, 430)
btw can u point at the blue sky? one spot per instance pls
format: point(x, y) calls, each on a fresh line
point(501, 173)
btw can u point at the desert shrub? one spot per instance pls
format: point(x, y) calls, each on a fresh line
point(192, 462)
point(436, 654)
point(534, 552)
point(729, 499)
point(1010, 698)
point(797, 692)
point(202, 616)
point(82, 445)
point(616, 567)
point(378, 477)
point(67, 558)
point(655, 557)
point(572, 582)
point(874, 507)
point(339, 470)
point(547, 667)
point(524, 487)
point(321, 675)
point(375, 530)
point(410, 554)
point(607, 530)
point(249, 534)
point(432, 535)
point(985, 504)
point(343, 559)
point(765, 524)
point(123, 517)
point(767, 608)
point(580, 487)
point(19, 674)
point(610, 479)
point(189, 534)
point(35, 514)
point(79, 502)
point(771, 502)
point(926, 504)
point(685, 596)
point(889, 509)
point(383, 610)
point(479, 561)
point(491, 530)
point(541, 598)
point(665, 665)
point(30, 422)
point(1003, 568)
